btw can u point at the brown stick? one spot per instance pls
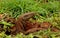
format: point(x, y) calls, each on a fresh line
point(20, 23)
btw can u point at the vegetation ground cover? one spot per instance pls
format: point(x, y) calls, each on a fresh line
point(48, 11)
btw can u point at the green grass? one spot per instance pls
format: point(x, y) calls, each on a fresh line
point(49, 11)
